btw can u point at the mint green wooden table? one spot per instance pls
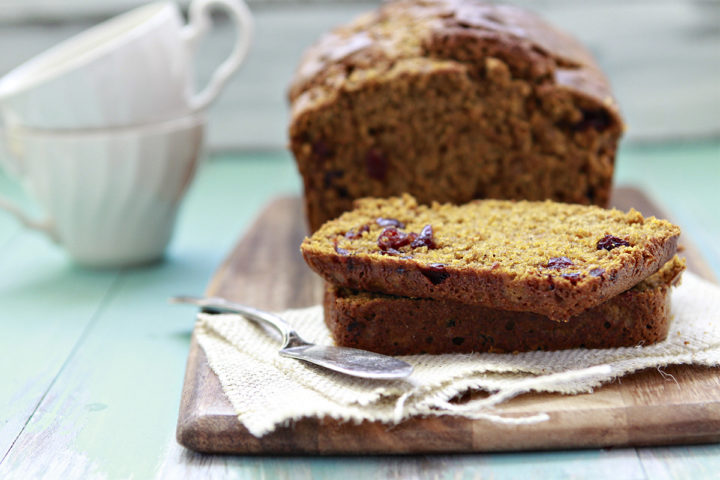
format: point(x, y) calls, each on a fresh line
point(92, 362)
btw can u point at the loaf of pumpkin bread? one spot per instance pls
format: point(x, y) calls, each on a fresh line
point(451, 100)
point(548, 258)
point(405, 326)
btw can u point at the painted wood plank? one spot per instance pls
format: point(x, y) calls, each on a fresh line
point(680, 462)
point(47, 305)
point(620, 464)
point(112, 409)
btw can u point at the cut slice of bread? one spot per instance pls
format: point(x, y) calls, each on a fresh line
point(404, 326)
point(549, 258)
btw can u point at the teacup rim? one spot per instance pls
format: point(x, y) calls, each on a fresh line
point(185, 122)
point(20, 78)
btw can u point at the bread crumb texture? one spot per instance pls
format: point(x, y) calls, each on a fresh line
point(451, 101)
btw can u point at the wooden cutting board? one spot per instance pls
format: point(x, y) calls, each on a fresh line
point(681, 405)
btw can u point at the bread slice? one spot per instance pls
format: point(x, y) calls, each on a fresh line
point(553, 259)
point(405, 326)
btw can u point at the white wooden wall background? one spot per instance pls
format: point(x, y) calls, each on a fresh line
point(663, 58)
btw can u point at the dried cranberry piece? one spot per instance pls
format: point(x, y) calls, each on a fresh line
point(425, 239)
point(597, 272)
point(558, 263)
point(435, 272)
point(573, 277)
point(393, 238)
point(352, 234)
point(608, 242)
point(322, 150)
point(340, 250)
point(351, 265)
point(330, 177)
point(389, 222)
point(376, 164)
point(599, 120)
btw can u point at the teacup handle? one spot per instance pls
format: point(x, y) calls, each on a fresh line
point(46, 226)
point(199, 22)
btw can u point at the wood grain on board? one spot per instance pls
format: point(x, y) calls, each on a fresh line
point(678, 405)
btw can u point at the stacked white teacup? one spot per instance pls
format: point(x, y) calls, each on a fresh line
point(105, 129)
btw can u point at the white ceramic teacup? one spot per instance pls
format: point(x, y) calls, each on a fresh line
point(135, 68)
point(111, 195)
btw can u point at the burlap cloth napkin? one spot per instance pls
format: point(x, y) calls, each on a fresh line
point(267, 390)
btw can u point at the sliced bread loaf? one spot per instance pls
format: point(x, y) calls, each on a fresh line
point(450, 101)
point(404, 326)
point(548, 258)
